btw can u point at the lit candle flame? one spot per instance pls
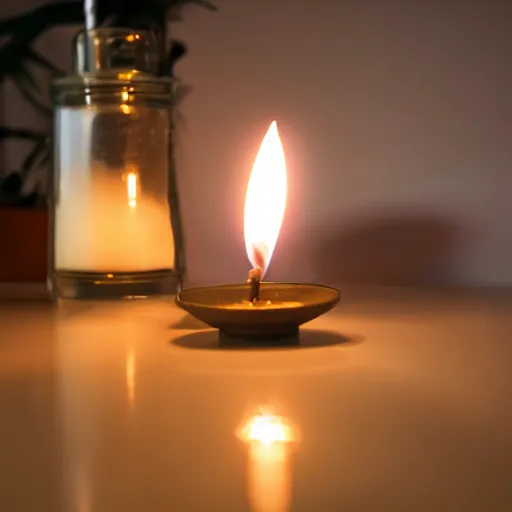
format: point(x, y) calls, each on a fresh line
point(125, 98)
point(265, 201)
point(269, 471)
point(131, 182)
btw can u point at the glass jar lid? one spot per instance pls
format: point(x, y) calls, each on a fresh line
point(112, 59)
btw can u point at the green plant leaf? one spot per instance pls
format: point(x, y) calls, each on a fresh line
point(181, 91)
point(14, 59)
point(43, 62)
point(35, 178)
point(177, 5)
point(206, 4)
point(11, 60)
point(29, 90)
point(24, 77)
point(12, 183)
point(176, 51)
point(47, 154)
point(20, 133)
point(145, 14)
point(26, 27)
point(38, 150)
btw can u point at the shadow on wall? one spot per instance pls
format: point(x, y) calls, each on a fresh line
point(391, 250)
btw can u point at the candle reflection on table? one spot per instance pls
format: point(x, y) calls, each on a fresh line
point(130, 377)
point(269, 472)
point(83, 498)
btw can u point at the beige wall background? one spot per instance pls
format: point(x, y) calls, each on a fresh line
point(396, 119)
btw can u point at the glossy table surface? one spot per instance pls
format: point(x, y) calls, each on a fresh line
point(399, 399)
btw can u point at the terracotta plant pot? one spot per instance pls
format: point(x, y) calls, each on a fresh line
point(23, 244)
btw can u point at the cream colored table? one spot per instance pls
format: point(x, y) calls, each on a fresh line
point(402, 400)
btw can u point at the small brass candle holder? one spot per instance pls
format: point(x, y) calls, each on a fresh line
point(261, 311)
point(274, 315)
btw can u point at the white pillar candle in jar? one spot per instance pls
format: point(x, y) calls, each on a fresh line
point(112, 213)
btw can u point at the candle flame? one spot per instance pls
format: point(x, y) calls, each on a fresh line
point(265, 200)
point(131, 182)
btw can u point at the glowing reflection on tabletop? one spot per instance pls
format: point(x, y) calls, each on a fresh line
point(270, 440)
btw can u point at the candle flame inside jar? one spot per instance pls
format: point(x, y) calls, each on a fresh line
point(265, 201)
point(131, 185)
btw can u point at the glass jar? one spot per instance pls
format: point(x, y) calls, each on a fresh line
point(114, 207)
